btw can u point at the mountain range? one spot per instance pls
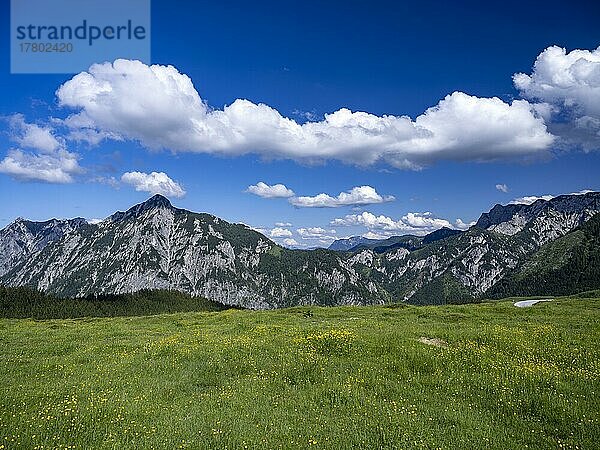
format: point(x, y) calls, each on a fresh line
point(547, 247)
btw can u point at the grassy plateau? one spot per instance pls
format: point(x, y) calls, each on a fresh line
point(486, 375)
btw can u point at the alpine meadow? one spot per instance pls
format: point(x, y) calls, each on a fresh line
point(291, 225)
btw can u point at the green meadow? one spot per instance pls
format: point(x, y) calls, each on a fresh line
point(474, 376)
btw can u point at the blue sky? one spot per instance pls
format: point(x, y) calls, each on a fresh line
point(308, 59)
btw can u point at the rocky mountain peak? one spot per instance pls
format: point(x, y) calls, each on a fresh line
point(157, 201)
point(564, 204)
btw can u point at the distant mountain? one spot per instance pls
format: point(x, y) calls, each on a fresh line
point(348, 243)
point(407, 241)
point(440, 234)
point(153, 245)
point(467, 265)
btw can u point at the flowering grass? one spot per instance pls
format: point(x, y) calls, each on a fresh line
point(351, 377)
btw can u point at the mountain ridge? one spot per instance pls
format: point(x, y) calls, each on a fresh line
point(158, 246)
point(155, 245)
point(23, 237)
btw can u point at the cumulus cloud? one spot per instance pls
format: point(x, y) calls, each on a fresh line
point(528, 200)
point(411, 223)
point(111, 99)
point(264, 190)
point(568, 86)
point(377, 235)
point(290, 242)
point(30, 135)
point(316, 233)
point(47, 161)
point(153, 183)
point(279, 232)
point(283, 224)
point(360, 195)
point(459, 224)
point(502, 187)
point(52, 167)
point(369, 220)
point(568, 79)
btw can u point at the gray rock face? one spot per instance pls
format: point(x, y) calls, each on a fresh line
point(155, 245)
point(23, 238)
point(500, 241)
point(556, 216)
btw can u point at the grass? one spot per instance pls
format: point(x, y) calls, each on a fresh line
point(347, 377)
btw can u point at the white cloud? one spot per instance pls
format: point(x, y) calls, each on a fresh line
point(425, 220)
point(460, 225)
point(107, 180)
point(371, 221)
point(54, 167)
point(264, 190)
point(153, 183)
point(568, 85)
point(360, 195)
point(502, 187)
point(48, 161)
point(280, 232)
point(29, 135)
point(316, 233)
point(112, 99)
point(411, 223)
point(283, 224)
point(570, 80)
point(528, 200)
point(377, 235)
point(290, 242)
point(464, 127)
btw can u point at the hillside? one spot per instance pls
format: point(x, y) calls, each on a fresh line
point(568, 264)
